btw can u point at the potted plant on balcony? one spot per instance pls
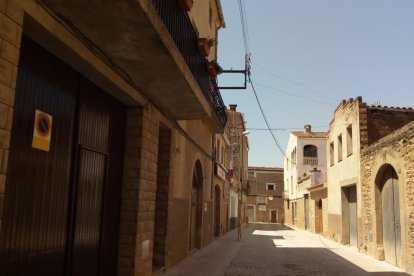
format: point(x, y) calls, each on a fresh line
point(204, 45)
point(186, 4)
point(214, 69)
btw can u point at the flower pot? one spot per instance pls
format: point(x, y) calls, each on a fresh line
point(212, 69)
point(186, 4)
point(203, 47)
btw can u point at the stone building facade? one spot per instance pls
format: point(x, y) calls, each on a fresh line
point(106, 129)
point(265, 195)
point(355, 126)
point(387, 192)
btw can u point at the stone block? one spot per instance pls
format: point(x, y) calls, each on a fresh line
point(6, 93)
point(5, 161)
point(14, 77)
point(9, 52)
point(9, 118)
point(2, 183)
point(4, 139)
point(4, 111)
point(6, 71)
point(8, 28)
point(15, 12)
point(3, 5)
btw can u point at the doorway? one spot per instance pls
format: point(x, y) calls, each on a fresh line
point(196, 209)
point(217, 211)
point(306, 198)
point(61, 209)
point(273, 216)
point(349, 216)
point(319, 217)
point(388, 189)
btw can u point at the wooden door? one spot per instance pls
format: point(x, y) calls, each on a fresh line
point(352, 209)
point(193, 217)
point(306, 211)
point(217, 211)
point(273, 216)
point(391, 218)
point(318, 217)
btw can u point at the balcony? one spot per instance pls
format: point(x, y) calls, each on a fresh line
point(151, 44)
point(311, 161)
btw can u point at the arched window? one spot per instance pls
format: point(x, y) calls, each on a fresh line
point(310, 155)
point(310, 151)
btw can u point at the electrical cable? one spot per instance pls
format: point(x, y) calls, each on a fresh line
point(294, 82)
point(265, 119)
point(293, 95)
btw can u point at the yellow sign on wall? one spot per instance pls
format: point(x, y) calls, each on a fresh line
point(42, 131)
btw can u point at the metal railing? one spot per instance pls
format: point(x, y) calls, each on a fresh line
point(182, 32)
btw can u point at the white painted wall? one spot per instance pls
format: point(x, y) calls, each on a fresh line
point(345, 172)
point(295, 171)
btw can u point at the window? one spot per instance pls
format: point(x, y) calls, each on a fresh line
point(251, 174)
point(291, 184)
point(310, 155)
point(331, 153)
point(310, 151)
point(340, 148)
point(218, 148)
point(270, 186)
point(349, 140)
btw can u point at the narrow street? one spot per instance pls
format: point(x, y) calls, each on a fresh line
point(274, 249)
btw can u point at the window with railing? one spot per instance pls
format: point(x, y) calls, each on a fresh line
point(310, 155)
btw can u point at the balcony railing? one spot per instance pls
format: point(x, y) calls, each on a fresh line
point(182, 32)
point(310, 161)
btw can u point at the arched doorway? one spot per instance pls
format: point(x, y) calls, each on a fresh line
point(388, 214)
point(196, 207)
point(217, 210)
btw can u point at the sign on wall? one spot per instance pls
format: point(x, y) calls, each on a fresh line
point(42, 130)
point(262, 207)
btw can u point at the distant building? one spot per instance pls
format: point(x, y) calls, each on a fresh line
point(265, 195)
point(305, 153)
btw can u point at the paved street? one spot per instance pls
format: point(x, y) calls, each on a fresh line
point(274, 249)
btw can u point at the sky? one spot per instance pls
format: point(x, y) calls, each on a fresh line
point(308, 55)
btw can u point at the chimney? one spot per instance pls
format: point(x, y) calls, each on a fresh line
point(233, 107)
point(308, 129)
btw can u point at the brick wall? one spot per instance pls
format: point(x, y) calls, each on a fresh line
point(138, 192)
point(382, 121)
point(397, 150)
point(11, 21)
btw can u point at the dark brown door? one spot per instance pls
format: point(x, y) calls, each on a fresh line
point(217, 211)
point(34, 224)
point(273, 216)
point(193, 218)
point(61, 212)
point(318, 217)
point(391, 218)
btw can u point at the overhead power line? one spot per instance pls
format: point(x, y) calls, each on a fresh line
point(265, 119)
point(245, 30)
point(292, 95)
point(295, 83)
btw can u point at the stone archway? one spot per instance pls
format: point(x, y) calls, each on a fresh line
point(196, 208)
point(388, 213)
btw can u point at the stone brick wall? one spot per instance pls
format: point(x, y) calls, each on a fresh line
point(396, 150)
point(11, 21)
point(300, 217)
point(138, 193)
